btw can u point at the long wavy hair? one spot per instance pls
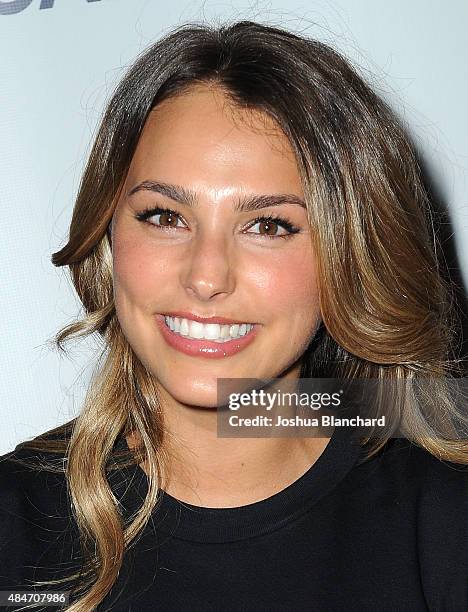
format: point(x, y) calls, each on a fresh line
point(386, 303)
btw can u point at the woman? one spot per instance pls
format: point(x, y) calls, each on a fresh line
point(247, 186)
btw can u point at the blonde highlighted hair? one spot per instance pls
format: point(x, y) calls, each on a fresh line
point(387, 310)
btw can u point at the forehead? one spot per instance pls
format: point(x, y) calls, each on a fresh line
point(202, 135)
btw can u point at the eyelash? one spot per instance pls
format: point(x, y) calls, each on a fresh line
point(287, 225)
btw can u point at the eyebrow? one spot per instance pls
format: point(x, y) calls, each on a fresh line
point(246, 203)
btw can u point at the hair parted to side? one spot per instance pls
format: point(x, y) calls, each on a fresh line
point(387, 311)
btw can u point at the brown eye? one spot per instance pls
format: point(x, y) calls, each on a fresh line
point(163, 218)
point(270, 227)
point(168, 219)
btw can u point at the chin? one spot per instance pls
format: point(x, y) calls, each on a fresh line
point(196, 399)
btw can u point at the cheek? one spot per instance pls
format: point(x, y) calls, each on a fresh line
point(287, 284)
point(138, 275)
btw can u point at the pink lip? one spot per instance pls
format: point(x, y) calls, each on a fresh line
point(204, 348)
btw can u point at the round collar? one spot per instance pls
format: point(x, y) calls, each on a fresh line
point(202, 524)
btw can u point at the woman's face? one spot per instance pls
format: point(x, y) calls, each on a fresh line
point(200, 157)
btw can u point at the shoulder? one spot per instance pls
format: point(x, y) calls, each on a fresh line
point(33, 480)
point(416, 483)
point(435, 498)
point(32, 483)
point(29, 490)
point(440, 486)
point(430, 474)
point(419, 479)
point(402, 459)
point(36, 524)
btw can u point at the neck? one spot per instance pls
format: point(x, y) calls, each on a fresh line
point(205, 470)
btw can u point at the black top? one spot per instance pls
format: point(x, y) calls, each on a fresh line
point(387, 534)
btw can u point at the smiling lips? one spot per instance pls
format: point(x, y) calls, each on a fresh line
point(212, 340)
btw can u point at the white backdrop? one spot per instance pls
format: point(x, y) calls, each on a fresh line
point(59, 60)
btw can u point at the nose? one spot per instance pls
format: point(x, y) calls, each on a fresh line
point(209, 269)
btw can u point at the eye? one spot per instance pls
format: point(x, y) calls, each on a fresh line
point(168, 218)
point(270, 225)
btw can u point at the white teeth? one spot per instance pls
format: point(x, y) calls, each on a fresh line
point(184, 326)
point(234, 330)
point(196, 329)
point(210, 331)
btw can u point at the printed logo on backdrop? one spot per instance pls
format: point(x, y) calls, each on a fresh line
point(11, 7)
